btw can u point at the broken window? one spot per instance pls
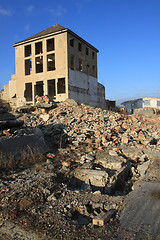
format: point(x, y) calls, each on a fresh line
point(51, 62)
point(39, 64)
point(61, 85)
point(72, 62)
point(27, 50)
point(71, 42)
point(80, 47)
point(50, 44)
point(80, 65)
point(51, 88)
point(87, 51)
point(93, 55)
point(28, 66)
point(39, 88)
point(146, 102)
point(38, 48)
point(28, 91)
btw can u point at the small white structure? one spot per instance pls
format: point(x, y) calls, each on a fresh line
point(147, 102)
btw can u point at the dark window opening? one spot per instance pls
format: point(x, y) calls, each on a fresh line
point(51, 62)
point(51, 88)
point(39, 88)
point(50, 44)
point(28, 91)
point(72, 62)
point(71, 42)
point(61, 85)
point(39, 64)
point(28, 66)
point(87, 51)
point(93, 55)
point(80, 47)
point(88, 66)
point(80, 65)
point(27, 50)
point(38, 48)
point(158, 103)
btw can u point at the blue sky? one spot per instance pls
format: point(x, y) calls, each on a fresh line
point(126, 33)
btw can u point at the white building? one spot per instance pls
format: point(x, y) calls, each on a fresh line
point(147, 102)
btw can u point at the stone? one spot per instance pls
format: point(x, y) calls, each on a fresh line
point(143, 168)
point(103, 218)
point(113, 153)
point(45, 117)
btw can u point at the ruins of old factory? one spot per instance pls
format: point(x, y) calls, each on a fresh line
point(58, 63)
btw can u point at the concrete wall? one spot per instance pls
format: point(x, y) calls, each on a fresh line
point(5, 95)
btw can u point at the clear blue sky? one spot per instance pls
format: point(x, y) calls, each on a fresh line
point(126, 33)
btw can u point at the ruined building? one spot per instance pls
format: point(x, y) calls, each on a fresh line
point(58, 63)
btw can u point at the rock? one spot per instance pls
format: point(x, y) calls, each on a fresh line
point(143, 168)
point(103, 218)
point(113, 153)
point(97, 178)
point(45, 117)
point(52, 198)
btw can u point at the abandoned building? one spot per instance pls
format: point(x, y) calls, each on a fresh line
point(58, 63)
point(147, 102)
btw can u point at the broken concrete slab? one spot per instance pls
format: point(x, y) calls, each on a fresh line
point(142, 209)
point(11, 123)
point(19, 145)
point(103, 218)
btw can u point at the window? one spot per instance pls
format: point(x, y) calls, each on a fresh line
point(39, 88)
point(39, 64)
point(80, 65)
point(158, 103)
point(27, 50)
point(71, 40)
point(28, 66)
point(61, 85)
point(28, 91)
point(93, 70)
point(51, 88)
point(72, 62)
point(51, 62)
point(50, 44)
point(93, 55)
point(80, 47)
point(38, 48)
point(146, 102)
point(87, 51)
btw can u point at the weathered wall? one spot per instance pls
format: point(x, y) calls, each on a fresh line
point(61, 66)
point(5, 95)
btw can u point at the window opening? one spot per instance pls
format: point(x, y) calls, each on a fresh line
point(158, 103)
point(93, 70)
point(146, 102)
point(51, 62)
point(28, 91)
point(39, 64)
point(93, 55)
point(28, 66)
point(39, 88)
point(71, 42)
point(51, 88)
point(80, 65)
point(50, 44)
point(87, 51)
point(80, 47)
point(27, 50)
point(72, 62)
point(61, 85)
point(38, 48)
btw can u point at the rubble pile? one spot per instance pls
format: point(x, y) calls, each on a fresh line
point(93, 159)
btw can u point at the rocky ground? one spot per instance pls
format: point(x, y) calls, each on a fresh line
point(91, 161)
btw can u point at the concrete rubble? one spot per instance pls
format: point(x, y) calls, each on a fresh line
point(92, 160)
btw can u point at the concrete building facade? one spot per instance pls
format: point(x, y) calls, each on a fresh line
point(58, 63)
point(146, 102)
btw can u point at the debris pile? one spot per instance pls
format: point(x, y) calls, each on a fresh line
point(93, 157)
